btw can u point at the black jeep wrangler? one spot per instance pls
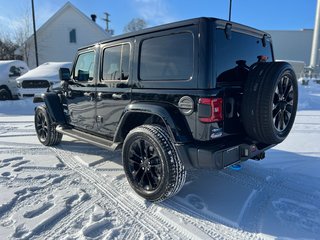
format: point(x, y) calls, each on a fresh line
point(201, 93)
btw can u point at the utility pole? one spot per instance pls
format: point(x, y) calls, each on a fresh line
point(106, 19)
point(35, 34)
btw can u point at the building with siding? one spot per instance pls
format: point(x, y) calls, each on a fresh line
point(292, 45)
point(60, 37)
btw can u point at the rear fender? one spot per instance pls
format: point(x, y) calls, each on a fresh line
point(174, 121)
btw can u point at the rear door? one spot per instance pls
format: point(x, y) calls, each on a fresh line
point(82, 92)
point(113, 92)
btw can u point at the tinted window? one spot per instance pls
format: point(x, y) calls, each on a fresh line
point(167, 58)
point(14, 71)
point(84, 67)
point(235, 56)
point(116, 62)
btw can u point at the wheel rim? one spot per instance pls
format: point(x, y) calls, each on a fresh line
point(41, 126)
point(145, 166)
point(4, 96)
point(283, 100)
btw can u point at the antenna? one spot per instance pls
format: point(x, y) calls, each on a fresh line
point(230, 10)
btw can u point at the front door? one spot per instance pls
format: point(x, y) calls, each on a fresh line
point(82, 93)
point(113, 92)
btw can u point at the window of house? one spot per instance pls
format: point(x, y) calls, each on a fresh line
point(116, 62)
point(73, 36)
point(84, 68)
point(167, 57)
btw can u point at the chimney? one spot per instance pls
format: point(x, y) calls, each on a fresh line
point(93, 17)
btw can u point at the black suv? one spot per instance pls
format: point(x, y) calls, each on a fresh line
point(201, 93)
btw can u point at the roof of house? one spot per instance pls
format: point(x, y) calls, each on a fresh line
point(66, 7)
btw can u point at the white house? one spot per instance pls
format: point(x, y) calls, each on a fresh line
point(60, 37)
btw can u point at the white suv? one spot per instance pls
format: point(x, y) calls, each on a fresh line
point(9, 71)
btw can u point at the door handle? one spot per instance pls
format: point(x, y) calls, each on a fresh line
point(89, 94)
point(119, 96)
point(103, 96)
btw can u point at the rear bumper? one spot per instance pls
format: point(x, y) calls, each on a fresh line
point(219, 155)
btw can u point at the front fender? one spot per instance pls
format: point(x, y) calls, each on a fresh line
point(54, 107)
point(175, 122)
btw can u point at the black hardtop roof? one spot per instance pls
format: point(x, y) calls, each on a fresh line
point(219, 22)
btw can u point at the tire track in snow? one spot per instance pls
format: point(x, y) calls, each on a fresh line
point(111, 193)
point(151, 215)
point(266, 187)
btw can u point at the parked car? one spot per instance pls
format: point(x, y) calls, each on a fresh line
point(38, 80)
point(201, 93)
point(9, 71)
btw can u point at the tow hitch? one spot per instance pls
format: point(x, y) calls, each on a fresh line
point(260, 156)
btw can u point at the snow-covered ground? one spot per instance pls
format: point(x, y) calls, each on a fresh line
point(78, 191)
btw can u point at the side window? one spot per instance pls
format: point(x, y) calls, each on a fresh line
point(84, 67)
point(167, 58)
point(116, 62)
point(14, 71)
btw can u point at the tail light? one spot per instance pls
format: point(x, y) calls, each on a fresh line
point(210, 110)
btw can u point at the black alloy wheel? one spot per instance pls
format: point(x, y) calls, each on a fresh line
point(283, 103)
point(151, 163)
point(41, 125)
point(45, 130)
point(269, 102)
point(145, 165)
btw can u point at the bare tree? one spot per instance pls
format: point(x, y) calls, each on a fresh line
point(135, 24)
point(22, 35)
point(7, 48)
point(7, 45)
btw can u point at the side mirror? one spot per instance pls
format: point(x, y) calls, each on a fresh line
point(64, 74)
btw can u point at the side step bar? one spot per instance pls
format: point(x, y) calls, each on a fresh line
point(89, 138)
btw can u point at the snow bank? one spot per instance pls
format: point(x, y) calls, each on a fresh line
point(17, 107)
point(309, 96)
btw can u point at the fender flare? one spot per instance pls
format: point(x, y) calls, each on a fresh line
point(174, 121)
point(54, 107)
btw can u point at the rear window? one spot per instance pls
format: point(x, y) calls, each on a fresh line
point(234, 57)
point(167, 57)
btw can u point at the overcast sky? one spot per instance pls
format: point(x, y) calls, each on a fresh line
point(265, 15)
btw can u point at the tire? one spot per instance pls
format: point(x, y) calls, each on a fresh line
point(5, 94)
point(269, 102)
point(151, 163)
point(46, 131)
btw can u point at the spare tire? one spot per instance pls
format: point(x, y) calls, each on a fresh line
point(269, 102)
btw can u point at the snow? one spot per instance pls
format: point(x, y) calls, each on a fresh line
point(78, 191)
point(48, 71)
point(5, 67)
